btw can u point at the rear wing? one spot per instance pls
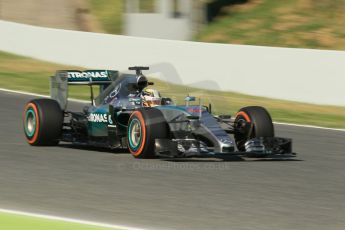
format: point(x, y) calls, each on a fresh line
point(63, 78)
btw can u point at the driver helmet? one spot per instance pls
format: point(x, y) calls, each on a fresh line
point(151, 98)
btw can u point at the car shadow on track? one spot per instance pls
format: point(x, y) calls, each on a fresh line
point(94, 149)
point(228, 159)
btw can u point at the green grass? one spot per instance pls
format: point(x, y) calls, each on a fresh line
point(147, 6)
point(288, 23)
point(21, 73)
point(109, 14)
point(18, 222)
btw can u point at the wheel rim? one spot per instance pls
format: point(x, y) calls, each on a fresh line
point(134, 134)
point(30, 121)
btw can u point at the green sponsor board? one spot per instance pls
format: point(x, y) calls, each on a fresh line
point(91, 75)
point(81, 76)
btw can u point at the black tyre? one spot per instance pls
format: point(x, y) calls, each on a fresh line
point(252, 122)
point(144, 126)
point(43, 119)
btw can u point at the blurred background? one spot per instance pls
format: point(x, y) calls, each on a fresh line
point(315, 24)
point(114, 188)
point(289, 23)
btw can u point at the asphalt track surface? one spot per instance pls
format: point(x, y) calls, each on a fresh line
point(104, 186)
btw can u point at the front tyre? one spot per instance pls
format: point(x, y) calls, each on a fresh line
point(252, 122)
point(145, 126)
point(43, 119)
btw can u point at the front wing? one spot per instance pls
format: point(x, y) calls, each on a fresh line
point(263, 147)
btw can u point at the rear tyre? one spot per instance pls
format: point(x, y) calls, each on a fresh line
point(43, 119)
point(252, 122)
point(145, 126)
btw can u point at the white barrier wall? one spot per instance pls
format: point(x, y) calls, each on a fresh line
point(305, 75)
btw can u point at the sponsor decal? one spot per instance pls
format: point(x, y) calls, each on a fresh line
point(110, 120)
point(135, 101)
point(98, 117)
point(194, 110)
point(113, 94)
point(99, 75)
